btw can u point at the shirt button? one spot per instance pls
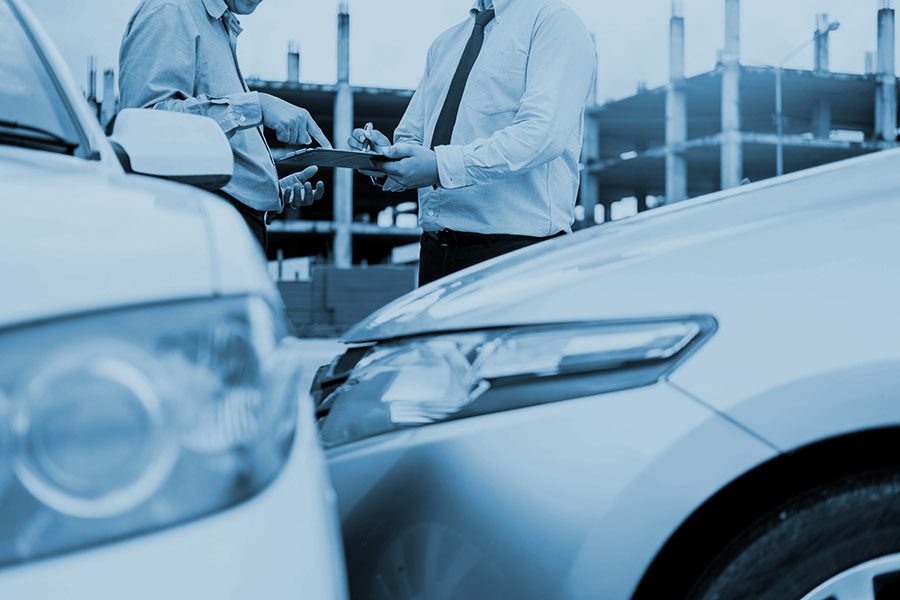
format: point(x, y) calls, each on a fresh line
point(430, 213)
point(242, 118)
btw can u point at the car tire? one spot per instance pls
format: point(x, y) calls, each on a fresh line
point(813, 543)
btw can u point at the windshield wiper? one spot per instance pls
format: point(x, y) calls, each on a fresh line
point(45, 137)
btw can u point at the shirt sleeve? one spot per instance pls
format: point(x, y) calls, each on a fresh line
point(549, 116)
point(412, 127)
point(157, 66)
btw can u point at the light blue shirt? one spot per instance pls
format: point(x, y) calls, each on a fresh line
point(512, 165)
point(181, 55)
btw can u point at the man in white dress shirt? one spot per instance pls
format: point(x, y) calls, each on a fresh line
point(492, 137)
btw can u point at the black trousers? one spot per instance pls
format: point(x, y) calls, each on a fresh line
point(255, 219)
point(446, 252)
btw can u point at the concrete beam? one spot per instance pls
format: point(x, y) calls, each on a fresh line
point(731, 161)
point(343, 128)
point(798, 141)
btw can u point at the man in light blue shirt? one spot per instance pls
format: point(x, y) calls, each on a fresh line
point(492, 137)
point(181, 55)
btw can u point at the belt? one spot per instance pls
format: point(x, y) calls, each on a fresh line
point(448, 237)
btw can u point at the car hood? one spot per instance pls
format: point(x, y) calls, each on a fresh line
point(78, 236)
point(681, 259)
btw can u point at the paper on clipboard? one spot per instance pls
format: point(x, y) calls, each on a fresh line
point(326, 158)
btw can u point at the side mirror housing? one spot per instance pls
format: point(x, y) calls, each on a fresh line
point(181, 147)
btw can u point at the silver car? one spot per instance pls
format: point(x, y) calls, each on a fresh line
point(701, 402)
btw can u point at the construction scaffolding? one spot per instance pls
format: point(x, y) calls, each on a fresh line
point(737, 123)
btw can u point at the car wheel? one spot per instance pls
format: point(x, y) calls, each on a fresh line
point(839, 542)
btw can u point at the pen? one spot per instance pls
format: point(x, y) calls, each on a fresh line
point(367, 145)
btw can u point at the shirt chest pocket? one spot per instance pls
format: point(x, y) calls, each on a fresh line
point(497, 84)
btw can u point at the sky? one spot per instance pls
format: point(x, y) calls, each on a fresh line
point(389, 38)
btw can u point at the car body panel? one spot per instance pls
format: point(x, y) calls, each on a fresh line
point(696, 257)
point(532, 503)
point(75, 239)
point(812, 351)
point(241, 264)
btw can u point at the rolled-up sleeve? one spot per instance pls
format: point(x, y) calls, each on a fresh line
point(550, 113)
point(158, 60)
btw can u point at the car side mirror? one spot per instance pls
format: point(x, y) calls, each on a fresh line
point(178, 146)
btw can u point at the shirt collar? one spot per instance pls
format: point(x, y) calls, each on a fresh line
point(499, 6)
point(215, 8)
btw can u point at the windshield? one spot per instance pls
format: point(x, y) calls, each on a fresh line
point(32, 111)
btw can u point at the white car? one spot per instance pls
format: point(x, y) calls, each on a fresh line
point(156, 440)
point(700, 402)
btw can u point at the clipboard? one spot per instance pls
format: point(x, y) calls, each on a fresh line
point(326, 158)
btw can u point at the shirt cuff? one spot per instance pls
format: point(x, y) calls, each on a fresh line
point(451, 161)
point(240, 111)
point(246, 108)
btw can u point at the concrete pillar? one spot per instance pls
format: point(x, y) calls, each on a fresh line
point(676, 111)
point(108, 108)
point(91, 91)
point(343, 128)
point(821, 115)
point(886, 101)
point(590, 186)
point(641, 196)
point(589, 190)
point(822, 52)
point(596, 45)
point(821, 118)
point(293, 62)
point(732, 159)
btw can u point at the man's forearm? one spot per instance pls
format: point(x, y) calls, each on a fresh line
point(234, 112)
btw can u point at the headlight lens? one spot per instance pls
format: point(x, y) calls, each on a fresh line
point(428, 380)
point(91, 431)
point(121, 423)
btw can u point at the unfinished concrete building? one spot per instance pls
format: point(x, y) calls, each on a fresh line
point(716, 130)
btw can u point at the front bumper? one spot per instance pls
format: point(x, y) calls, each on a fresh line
point(283, 543)
point(565, 500)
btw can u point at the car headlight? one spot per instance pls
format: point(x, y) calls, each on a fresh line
point(124, 422)
point(428, 380)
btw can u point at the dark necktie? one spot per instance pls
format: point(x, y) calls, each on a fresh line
point(443, 131)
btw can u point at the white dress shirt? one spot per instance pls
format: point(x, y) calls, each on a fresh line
point(512, 165)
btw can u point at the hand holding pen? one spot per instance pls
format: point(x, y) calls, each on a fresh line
point(369, 139)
